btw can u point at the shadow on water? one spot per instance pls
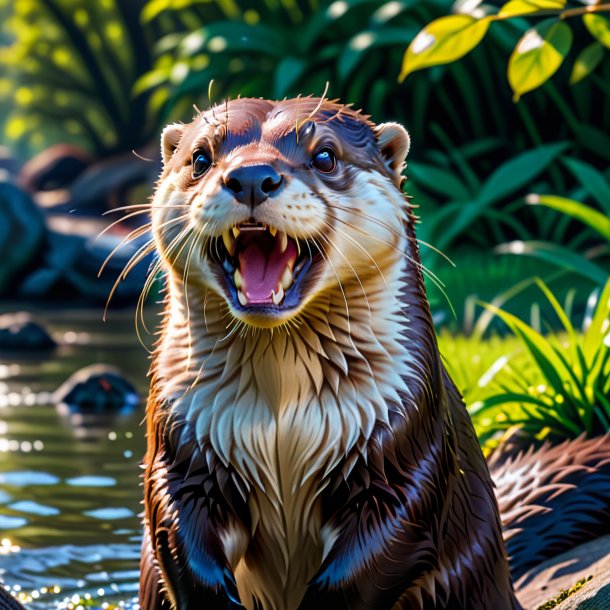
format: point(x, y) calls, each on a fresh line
point(69, 485)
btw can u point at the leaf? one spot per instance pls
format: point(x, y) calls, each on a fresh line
point(599, 27)
point(438, 180)
point(520, 171)
point(599, 324)
point(287, 72)
point(557, 255)
point(359, 47)
point(538, 55)
point(592, 180)
point(586, 61)
point(523, 7)
point(442, 41)
point(539, 348)
point(580, 211)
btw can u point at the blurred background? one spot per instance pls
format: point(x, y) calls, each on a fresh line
point(515, 194)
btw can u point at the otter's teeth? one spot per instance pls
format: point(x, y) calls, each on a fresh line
point(278, 296)
point(287, 278)
point(229, 242)
point(235, 232)
point(283, 241)
point(273, 231)
point(242, 298)
point(238, 279)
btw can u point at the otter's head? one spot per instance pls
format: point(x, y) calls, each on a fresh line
point(272, 204)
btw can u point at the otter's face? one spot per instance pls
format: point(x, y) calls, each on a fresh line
point(271, 204)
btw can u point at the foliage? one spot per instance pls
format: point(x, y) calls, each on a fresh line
point(573, 396)
point(70, 69)
point(597, 186)
point(295, 48)
point(537, 55)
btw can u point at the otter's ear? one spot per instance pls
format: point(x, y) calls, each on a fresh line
point(394, 143)
point(169, 140)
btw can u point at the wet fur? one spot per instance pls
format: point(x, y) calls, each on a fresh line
point(323, 459)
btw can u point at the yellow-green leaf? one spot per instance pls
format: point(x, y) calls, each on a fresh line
point(538, 55)
point(523, 7)
point(442, 41)
point(586, 62)
point(599, 27)
point(597, 221)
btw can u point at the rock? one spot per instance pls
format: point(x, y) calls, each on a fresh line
point(108, 183)
point(542, 586)
point(8, 162)
point(102, 185)
point(54, 168)
point(72, 261)
point(22, 231)
point(97, 389)
point(20, 331)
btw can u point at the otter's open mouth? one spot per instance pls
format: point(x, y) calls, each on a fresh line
point(263, 267)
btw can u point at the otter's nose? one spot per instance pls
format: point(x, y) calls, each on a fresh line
point(254, 183)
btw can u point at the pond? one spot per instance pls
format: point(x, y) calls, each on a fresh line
point(69, 486)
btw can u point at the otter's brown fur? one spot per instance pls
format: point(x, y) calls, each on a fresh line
point(318, 457)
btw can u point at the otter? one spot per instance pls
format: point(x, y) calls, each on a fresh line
point(306, 447)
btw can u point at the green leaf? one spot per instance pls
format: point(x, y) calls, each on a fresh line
point(586, 61)
point(592, 180)
point(523, 7)
point(507, 179)
point(539, 348)
point(287, 72)
point(600, 323)
point(557, 255)
point(520, 171)
point(599, 27)
point(598, 222)
point(438, 180)
point(442, 41)
point(360, 46)
point(538, 55)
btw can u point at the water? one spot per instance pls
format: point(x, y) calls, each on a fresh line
point(69, 486)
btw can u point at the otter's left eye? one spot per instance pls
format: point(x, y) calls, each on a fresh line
point(201, 164)
point(324, 160)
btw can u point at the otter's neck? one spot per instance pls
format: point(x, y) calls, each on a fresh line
point(346, 352)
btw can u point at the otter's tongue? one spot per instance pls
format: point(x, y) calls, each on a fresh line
point(262, 267)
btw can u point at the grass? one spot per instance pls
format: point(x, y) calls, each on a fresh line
point(551, 386)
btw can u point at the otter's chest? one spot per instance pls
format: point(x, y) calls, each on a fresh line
point(283, 458)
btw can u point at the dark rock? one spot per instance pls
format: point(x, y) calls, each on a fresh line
point(97, 389)
point(588, 564)
point(22, 231)
point(103, 185)
point(20, 331)
point(54, 168)
point(72, 261)
point(8, 162)
point(108, 183)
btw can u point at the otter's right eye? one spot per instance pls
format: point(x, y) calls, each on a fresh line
point(201, 163)
point(324, 160)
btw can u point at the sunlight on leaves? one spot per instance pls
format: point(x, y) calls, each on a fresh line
point(586, 61)
point(524, 7)
point(538, 55)
point(599, 27)
point(443, 41)
point(596, 220)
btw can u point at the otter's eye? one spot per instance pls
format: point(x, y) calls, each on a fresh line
point(324, 160)
point(201, 163)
